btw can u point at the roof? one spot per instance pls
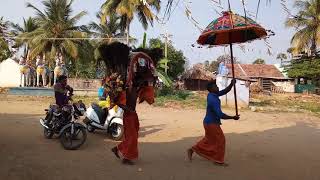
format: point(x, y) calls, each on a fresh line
point(198, 72)
point(256, 71)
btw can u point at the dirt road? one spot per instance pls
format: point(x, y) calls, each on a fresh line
point(261, 146)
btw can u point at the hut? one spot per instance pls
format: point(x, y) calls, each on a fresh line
point(197, 78)
point(265, 75)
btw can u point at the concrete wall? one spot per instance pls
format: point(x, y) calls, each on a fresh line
point(9, 73)
point(85, 84)
point(287, 86)
point(243, 94)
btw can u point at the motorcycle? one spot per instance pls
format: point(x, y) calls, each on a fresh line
point(63, 122)
point(109, 120)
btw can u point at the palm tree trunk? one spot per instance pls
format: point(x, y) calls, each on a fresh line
point(314, 46)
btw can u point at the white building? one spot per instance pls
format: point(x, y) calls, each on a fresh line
point(9, 73)
point(243, 92)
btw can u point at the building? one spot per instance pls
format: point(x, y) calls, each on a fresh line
point(197, 78)
point(9, 73)
point(267, 76)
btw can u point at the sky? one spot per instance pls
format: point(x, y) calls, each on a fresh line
point(184, 33)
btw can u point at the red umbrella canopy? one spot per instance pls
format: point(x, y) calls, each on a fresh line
point(231, 28)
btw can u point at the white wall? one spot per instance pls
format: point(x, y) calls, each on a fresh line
point(287, 86)
point(9, 73)
point(243, 93)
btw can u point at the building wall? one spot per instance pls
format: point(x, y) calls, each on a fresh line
point(9, 73)
point(243, 93)
point(92, 84)
point(287, 86)
point(195, 84)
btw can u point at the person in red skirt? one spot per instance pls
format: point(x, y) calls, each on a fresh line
point(212, 146)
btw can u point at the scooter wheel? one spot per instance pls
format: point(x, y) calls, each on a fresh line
point(90, 128)
point(117, 132)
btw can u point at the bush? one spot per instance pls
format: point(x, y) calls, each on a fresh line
point(173, 94)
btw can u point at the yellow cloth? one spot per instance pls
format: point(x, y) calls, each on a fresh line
point(107, 104)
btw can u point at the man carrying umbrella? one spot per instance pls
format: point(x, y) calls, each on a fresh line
point(212, 146)
point(226, 30)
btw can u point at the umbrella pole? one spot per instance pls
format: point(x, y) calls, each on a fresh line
point(233, 76)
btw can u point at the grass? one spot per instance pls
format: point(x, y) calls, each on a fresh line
point(285, 102)
point(180, 99)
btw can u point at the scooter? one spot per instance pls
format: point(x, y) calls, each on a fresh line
point(111, 121)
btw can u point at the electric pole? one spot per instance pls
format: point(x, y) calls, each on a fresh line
point(166, 37)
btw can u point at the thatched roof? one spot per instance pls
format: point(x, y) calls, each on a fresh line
point(256, 71)
point(198, 72)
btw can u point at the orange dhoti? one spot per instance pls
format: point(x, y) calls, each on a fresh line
point(212, 146)
point(128, 148)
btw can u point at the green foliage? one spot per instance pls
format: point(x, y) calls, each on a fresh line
point(56, 21)
point(176, 59)
point(307, 24)
point(259, 61)
point(305, 68)
point(174, 94)
point(4, 50)
point(165, 78)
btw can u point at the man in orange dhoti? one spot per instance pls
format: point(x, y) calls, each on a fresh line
point(212, 146)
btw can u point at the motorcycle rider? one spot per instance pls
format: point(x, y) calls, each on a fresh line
point(61, 89)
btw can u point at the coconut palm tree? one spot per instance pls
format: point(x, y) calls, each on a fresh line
point(58, 31)
point(108, 27)
point(29, 25)
point(307, 23)
point(4, 46)
point(127, 9)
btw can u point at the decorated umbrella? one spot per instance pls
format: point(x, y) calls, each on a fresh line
point(229, 29)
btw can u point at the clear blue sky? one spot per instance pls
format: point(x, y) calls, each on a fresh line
point(184, 33)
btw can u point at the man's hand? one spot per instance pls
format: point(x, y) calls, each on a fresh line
point(237, 117)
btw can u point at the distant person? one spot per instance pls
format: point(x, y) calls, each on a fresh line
point(101, 91)
point(212, 146)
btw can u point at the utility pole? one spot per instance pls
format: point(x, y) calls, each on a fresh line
point(166, 37)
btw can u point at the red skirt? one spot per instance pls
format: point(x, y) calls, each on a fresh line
point(212, 146)
point(128, 148)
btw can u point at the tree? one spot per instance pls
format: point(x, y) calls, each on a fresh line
point(4, 46)
point(128, 8)
point(307, 23)
point(29, 25)
point(259, 61)
point(108, 27)
point(282, 56)
point(176, 58)
point(214, 66)
point(58, 32)
point(226, 59)
point(305, 68)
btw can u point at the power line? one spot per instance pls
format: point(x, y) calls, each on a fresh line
point(88, 38)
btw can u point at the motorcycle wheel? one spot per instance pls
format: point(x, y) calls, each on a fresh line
point(117, 131)
point(90, 128)
point(47, 133)
point(73, 141)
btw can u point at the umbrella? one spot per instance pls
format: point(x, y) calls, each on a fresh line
point(229, 29)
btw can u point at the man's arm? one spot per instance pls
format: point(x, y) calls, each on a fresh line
point(228, 89)
point(215, 106)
